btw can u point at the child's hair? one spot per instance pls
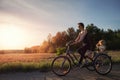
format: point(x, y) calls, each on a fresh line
point(101, 42)
point(101, 45)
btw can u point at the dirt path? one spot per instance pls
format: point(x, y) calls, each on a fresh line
point(75, 74)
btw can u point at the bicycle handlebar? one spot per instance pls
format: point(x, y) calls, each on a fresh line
point(69, 43)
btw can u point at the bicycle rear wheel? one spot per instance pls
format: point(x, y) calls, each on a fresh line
point(103, 64)
point(61, 65)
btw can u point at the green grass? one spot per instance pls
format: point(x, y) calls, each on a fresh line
point(25, 66)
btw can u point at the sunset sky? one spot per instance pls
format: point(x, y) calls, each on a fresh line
point(25, 23)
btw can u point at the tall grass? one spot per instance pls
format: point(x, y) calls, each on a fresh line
point(25, 66)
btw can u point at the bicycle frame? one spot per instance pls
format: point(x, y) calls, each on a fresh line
point(71, 55)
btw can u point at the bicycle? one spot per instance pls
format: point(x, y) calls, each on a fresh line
point(62, 65)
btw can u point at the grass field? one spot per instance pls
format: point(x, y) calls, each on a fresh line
point(115, 56)
point(13, 62)
point(25, 61)
point(25, 57)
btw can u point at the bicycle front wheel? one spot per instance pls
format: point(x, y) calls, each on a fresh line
point(61, 65)
point(103, 64)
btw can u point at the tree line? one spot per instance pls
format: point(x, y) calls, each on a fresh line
point(112, 38)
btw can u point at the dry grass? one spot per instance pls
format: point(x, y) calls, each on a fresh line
point(25, 57)
point(115, 56)
point(39, 57)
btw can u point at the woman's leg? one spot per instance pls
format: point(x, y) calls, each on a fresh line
point(82, 53)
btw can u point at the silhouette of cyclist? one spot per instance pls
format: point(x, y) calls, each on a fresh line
point(83, 39)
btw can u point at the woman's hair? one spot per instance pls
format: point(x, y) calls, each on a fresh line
point(81, 24)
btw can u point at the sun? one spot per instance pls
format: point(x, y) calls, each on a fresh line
point(11, 36)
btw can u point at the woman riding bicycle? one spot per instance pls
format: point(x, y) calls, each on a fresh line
point(83, 39)
point(101, 63)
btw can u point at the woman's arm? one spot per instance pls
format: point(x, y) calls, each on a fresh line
point(76, 40)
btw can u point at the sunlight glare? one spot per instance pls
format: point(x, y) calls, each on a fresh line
point(12, 36)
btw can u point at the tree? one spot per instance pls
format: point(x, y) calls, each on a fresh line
point(94, 32)
point(71, 33)
point(111, 37)
point(49, 39)
point(60, 39)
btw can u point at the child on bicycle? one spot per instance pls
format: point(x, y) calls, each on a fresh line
point(101, 46)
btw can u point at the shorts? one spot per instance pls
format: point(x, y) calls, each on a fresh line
point(83, 50)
